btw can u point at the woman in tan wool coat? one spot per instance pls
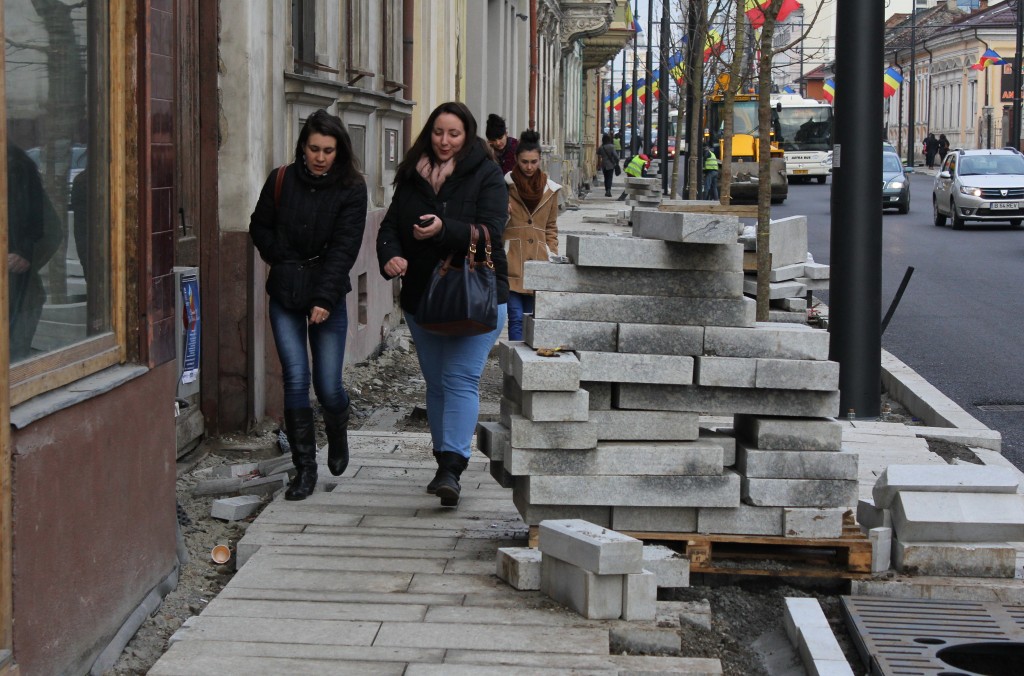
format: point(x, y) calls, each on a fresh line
point(532, 231)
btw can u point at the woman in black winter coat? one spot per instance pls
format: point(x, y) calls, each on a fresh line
point(446, 182)
point(607, 160)
point(308, 225)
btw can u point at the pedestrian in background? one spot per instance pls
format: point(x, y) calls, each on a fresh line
point(446, 182)
point(711, 166)
point(943, 147)
point(931, 147)
point(501, 143)
point(308, 225)
point(532, 230)
point(607, 160)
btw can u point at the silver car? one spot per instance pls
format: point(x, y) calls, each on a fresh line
point(979, 185)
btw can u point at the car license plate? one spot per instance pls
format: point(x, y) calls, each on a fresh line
point(1004, 205)
point(799, 171)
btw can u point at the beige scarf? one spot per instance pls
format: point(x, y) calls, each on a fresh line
point(435, 174)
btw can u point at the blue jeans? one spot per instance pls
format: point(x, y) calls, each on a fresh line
point(452, 367)
point(327, 344)
point(518, 305)
point(711, 185)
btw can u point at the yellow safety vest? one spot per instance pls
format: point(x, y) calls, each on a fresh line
point(711, 162)
point(635, 167)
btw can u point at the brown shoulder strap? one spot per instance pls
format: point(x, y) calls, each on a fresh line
point(278, 182)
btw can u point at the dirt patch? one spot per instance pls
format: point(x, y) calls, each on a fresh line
point(951, 451)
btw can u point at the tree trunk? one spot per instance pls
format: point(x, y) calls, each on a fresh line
point(735, 68)
point(764, 158)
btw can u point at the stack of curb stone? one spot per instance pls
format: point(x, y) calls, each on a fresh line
point(652, 331)
point(792, 275)
point(643, 192)
point(948, 520)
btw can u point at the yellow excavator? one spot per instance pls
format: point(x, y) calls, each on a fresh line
point(745, 150)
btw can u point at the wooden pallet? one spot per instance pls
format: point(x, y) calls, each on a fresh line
point(688, 206)
point(846, 557)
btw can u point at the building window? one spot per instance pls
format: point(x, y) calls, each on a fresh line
point(60, 227)
point(391, 45)
point(304, 35)
point(357, 48)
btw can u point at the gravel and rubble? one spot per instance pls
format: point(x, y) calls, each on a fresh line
point(387, 392)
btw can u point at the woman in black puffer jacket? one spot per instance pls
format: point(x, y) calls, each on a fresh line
point(447, 181)
point(308, 225)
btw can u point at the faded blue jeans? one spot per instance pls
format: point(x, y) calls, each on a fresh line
point(518, 305)
point(452, 367)
point(327, 345)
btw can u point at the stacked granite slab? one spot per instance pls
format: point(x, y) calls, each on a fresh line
point(948, 520)
point(643, 192)
point(793, 274)
point(628, 345)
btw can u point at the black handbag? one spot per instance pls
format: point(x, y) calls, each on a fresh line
point(462, 300)
point(291, 283)
point(618, 169)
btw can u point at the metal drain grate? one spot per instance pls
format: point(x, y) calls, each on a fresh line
point(1002, 408)
point(904, 636)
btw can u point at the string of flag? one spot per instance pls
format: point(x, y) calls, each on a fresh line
point(989, 58)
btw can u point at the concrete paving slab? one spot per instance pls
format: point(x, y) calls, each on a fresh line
point(315, 610)
point(951, 559)
point(476, 669)
point(590, 547)
point(426, 583)
point(622, 664)
point(958, 517)
point(942, 479)
point(173, 663)
point(283, 630)
point(527, 638)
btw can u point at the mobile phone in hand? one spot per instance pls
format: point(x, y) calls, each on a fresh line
point(424, 222)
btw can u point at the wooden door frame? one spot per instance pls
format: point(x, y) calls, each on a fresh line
point(7, 665)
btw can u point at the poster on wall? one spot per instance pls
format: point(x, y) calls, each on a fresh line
point(1006, 83)
point(190, 322)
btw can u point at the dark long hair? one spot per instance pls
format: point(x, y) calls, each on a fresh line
point(345, 164)
point(423, 146)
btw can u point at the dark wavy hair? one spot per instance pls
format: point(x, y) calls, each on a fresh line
point(322, 122)
point(423, 146)
point(528, 140)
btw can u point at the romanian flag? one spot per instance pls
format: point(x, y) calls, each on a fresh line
point(631, 20)
point(628, 96)
point(828, 90)
point(989, 58)
point(608, 102)
point(617, 100)
point(641, 90)
point(788, 90)
point(714, 45)
point(755, 9)
point(676, 67)
point(891, 82)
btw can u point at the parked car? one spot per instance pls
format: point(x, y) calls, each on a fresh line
point(979, 185)
point(895, 184)
point(889, 148)
point(655, 149)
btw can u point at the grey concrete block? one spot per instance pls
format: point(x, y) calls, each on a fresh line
point(795, 464)
point(617, 367)
point(264, 486)
point(794, 304)
point(596, 597)
point(506, 350)
point(682, 613)
point(692, 228)
point(799, 492)
point(591, 547)
point(726, 441)
point(802, 613)
point(544, 276)
point(942, 479)
point(816, 271)
point(791, 374)
point(540, 406)
point(636, 252)
point(725, 400)
point(657, 519)
point(811, 522)
point(785, 316)
point(881, 549)
point(616, 425)
point(570, 334)
point(644, 309)
point(644, 640)
point(600, 395)
point(658, 458)
point(507, 409)
point(560, 372)
point(635, 491)
point(670, 568)
point(820, 652)
point(776, 290)
point(870, 516)
point(492, 439)
point(789, 434)
point(958, 517)
point(639, 596)
point(525, 433)
point(786, 272)
point(725, 371)
point(955, 559)
point(767, 340)
point(787, 241)
point(519, 567)
point(235, 508)
point(661, 339)
point(533, 514)
point(741, 520)
point(496, 469)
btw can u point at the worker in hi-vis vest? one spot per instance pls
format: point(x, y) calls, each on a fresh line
point(711, 165)
point(636, 168)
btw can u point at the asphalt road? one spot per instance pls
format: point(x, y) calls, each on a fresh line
point(960, 323)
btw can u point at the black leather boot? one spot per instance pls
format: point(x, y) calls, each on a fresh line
point(448, 487)
point(432, 486)
point(302, 437)
point(336, 426)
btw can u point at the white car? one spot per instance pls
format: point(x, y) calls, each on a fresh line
point(979, 185)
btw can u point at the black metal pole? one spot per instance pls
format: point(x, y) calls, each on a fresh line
point(611, 101)
point(634, 137)
point(856, 250)
point(1017, 78)
point(663, 99)
point(648, 81)
point(912, 94)
point(896, 300)
point(694, 88)
point(622, 113)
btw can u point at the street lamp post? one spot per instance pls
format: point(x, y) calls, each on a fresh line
point(663, 99)
point(649, 103)
point(1017, 77)
point(634, 138)
point(912, 95)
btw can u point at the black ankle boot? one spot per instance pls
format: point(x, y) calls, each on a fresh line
point(302, 437)
point(451, 467)
point(336, 425)
point(432, 486)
